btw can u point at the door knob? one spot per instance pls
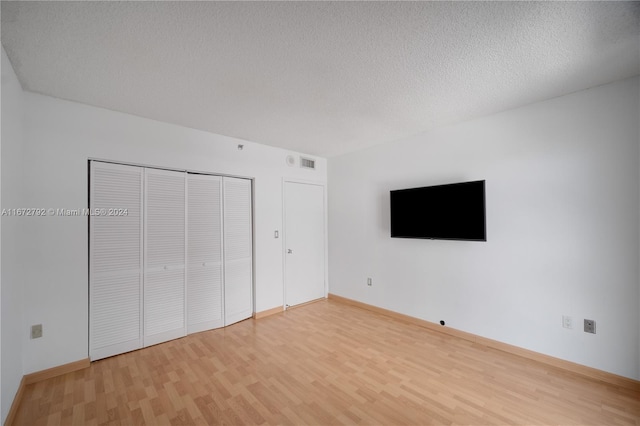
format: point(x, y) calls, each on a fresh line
point(289, 251)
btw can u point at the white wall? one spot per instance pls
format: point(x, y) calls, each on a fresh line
point(11, 279)
point(562, 224)
point(59, 138)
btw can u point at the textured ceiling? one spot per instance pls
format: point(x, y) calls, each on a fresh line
point(325, 78)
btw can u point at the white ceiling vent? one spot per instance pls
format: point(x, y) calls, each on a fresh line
point(307, 163)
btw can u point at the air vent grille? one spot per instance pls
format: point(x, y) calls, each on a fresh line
point(307, 163)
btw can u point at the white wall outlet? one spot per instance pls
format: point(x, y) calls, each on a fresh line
point(36, 331)
point(369, 282)
point(567, 322)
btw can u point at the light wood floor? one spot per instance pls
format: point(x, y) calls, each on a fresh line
point(325, 363)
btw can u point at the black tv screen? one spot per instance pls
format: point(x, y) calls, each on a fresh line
point(444, 212)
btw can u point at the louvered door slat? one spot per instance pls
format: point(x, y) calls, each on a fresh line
point(115, 266)
point(238, 250)
point(164, 256)
point(204, 253)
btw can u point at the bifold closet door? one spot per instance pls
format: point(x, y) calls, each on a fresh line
point(238, 250)
point(164, 256)
point(204, 253)
point(115, 266)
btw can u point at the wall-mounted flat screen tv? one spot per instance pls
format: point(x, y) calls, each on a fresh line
point(444, 212)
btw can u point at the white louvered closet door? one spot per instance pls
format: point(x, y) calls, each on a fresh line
point(238, 250)
point(204, 253)
point(115, 265)
point(164, 256)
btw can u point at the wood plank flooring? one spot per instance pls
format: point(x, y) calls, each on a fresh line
point(325, 363)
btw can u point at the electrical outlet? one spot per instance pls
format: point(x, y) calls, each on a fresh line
point(567, 322)
point(369, 282)
point(589, 326)
point(36, 331)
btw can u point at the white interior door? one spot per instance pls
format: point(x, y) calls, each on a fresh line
point(238, 250)
point(204, 253)
point(115, 265)
point(304, 243)
point(164, 256)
